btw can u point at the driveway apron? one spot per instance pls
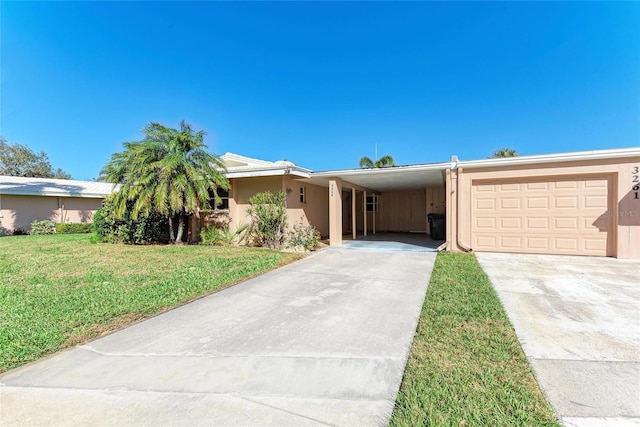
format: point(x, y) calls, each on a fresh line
point(323, 341)
point(578, 320)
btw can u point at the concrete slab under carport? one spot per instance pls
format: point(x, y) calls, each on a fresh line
point(323, 341)
point(412, 242)
point(578, 322)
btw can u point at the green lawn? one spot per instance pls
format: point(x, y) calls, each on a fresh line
point(466, 366)
point(60, 290)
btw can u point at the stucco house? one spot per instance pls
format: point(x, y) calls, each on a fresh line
point(23, 200)
point(581, 203)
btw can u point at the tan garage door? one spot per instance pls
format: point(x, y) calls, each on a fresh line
point(553, 215)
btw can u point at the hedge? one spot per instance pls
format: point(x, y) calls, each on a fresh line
point(63, 228)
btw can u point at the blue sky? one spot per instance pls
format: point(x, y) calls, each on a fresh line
point(321, 83)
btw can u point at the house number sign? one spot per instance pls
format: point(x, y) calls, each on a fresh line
point(332, 190)
point(635, 182)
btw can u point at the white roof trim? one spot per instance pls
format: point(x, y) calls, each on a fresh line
point(242, 159)
point(550, 158)
point(382, 171)
point(272, 171)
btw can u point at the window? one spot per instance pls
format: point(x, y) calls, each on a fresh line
point(224, 202)
point(303, 195)
point(372, 203)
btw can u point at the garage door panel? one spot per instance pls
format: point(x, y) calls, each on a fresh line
point(537, 203)
point(537, 243)
point(511, 223)
point(488, 224)
point(537, 224)
point(566, 243)
point(597, 245)
point(596, 183)
point(511, 242)
point(566, 224)
point(510, 203)
point(537, 186)
point(552, 215)
point(598, 202)
point(566, 202)
point(486, 242)
point(486, 204)
point(565, 185)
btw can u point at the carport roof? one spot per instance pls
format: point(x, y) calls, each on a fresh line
point(386, 179)
point(419, 176)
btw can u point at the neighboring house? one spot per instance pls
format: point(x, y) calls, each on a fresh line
point(23, 200)
point(583, 203)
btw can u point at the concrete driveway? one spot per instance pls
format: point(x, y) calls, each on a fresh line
point(323, 341)
point(578, 320)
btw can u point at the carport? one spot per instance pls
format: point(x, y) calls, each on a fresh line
point(365, 202)
point(584, 203)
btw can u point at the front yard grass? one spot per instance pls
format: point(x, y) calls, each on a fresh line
point(60, 290)
point(466, 366)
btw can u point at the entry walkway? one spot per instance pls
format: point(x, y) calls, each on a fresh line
point(323, 341)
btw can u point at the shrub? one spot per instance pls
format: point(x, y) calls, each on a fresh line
point(44, 226)
point(63, 228)
point(20, 232)
point(211, 235)
point(218, 236)
point(147, 229)
point(268, 219)
point(304, 236)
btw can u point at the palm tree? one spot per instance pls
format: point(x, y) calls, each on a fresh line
point(504, 152)
point(168, 171)
point(383, 162)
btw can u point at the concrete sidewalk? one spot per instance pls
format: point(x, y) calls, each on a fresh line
point(578, 320)
point(323, 341)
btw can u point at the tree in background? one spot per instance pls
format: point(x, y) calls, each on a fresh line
point(383, 162)
point(20, 160)
point(504, 152)
point(169, 171)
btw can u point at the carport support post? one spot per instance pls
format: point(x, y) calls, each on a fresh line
point(373, 214)
point(353, 213)
point(335, 211)
point(364, 209)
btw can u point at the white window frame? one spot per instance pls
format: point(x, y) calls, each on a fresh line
point(303, 195)
point(215, 206)
point(371, 201)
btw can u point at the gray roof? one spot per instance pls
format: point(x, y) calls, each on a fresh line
point(54, 187)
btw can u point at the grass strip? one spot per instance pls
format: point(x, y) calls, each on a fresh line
point(466, 366)
point(60, 290)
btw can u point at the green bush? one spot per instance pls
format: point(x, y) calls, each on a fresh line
point(304, 236)
point(44, 226)
point(20, 232)
point(268, 219)
point(219, 236)
point(147, 229)
point(211, 235)
point(62, 228)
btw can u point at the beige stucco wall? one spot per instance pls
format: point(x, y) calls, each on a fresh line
point(623, 211)
point(19, 211)
point(315, 211)
point(398, 211)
